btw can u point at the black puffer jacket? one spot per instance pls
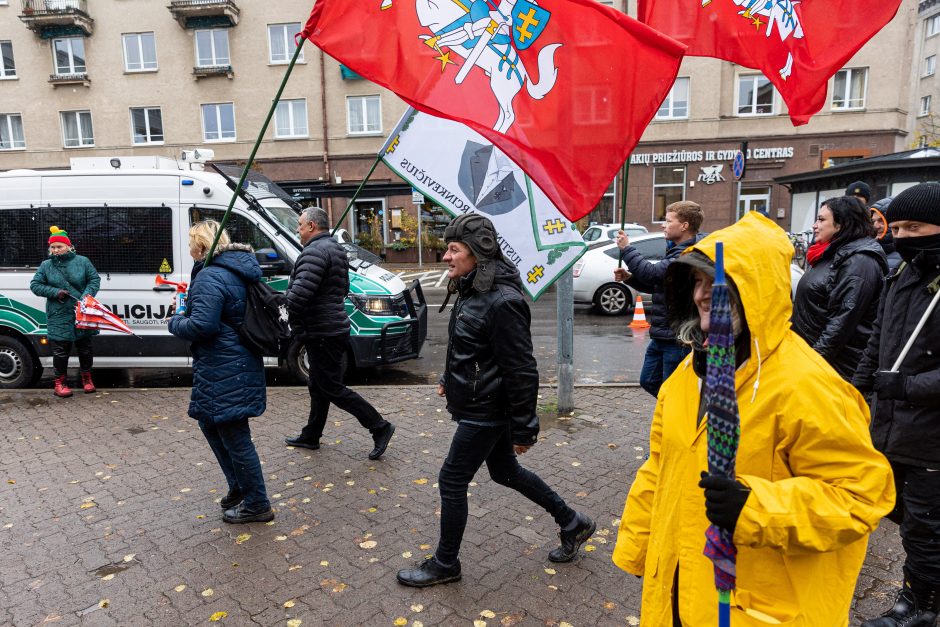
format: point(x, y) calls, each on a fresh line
point(648, 277)
point(907, 431)
point(837, 301)
point(490, 376)
point(319, 283)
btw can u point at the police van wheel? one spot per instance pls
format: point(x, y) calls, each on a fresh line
point(298, 365)
point(18, 366)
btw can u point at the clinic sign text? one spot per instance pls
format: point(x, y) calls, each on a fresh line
point(691, 156)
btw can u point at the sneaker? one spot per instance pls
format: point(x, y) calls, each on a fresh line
point(571, 541)
point(381, 437)
point(233, 498)
point(299, 442)
point(429, 573)
point(238, 515)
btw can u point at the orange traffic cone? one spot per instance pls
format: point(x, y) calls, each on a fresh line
point(639, 315)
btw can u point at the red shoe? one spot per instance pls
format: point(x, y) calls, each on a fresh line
point(87, 383)
point(62, 389)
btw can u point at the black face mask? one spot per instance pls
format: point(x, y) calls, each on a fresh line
point(910, 247)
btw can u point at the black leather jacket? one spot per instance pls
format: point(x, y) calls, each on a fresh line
point(490, 375)
point(837, 301)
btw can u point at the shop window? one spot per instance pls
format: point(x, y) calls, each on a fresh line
point(755, 95)
point(370, 229)
point(363, 115)
point(668, 187)
point(848, 89)
point(676, 104)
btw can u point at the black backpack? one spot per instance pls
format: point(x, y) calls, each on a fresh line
point(265, 331)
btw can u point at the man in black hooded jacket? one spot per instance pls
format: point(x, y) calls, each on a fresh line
point(491, 384)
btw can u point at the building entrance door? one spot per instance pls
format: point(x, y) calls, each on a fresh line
point(753, 199)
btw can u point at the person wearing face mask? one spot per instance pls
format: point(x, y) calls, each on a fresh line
point(63, 279)
point(883, 233)
point(906, 408)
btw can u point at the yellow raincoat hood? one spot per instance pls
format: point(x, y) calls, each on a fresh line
point(818, 486)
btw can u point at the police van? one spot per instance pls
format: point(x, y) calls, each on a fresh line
point(131, 217)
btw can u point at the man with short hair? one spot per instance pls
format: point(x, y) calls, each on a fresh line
point(491, 384)
point(318, 286)
point(860, 190)
point(905, 422)
point(663, 354)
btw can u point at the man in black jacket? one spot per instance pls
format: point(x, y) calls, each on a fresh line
point(906, 412)
point(663, 353)
point(491, 384)
point(318, 286)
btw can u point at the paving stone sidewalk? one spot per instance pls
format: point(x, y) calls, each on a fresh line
point(109, 516)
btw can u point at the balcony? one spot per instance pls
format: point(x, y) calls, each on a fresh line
point(204, 13)
point(203, 71)
point(57, 18)
point(80, 78)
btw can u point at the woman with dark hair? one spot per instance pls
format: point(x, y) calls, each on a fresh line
point(837, 298)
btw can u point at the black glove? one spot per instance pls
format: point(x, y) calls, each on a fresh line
point(724, 500)
point(890, 385)
point(865, 384)
point(62, 295)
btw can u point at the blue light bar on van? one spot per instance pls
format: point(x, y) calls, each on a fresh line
point(188, 182)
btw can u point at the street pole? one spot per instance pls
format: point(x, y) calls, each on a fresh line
point(420, 220)
point(565, 341)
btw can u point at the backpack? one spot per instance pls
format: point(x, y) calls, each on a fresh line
point(265, 331)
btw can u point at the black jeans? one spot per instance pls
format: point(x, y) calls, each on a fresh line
point(325, 354)
point(233, 448)
point(917, 511)
point(62, 349)
point(472, 445)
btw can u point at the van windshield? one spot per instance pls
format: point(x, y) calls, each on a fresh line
point(285, 216)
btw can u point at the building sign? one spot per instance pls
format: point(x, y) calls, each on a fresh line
point(692, 156)
point(711, 174)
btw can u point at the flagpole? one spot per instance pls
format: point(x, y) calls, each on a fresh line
point(352, 200)
point(623, 201)
point(254, 150)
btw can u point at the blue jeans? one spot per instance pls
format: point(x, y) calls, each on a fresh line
point(662, 358)
point(471, 447)
point(233, 448)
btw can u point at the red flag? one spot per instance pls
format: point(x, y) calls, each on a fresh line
point(91, 314)
point(564, 88)
point(799, 46)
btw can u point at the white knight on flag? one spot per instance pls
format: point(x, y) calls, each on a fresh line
point(779, 12)
point(461, 171)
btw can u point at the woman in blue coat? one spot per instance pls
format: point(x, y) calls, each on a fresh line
point(228, 379)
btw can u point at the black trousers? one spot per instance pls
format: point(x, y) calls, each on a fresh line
point(61, 351)
point(325, 355)
point(917, 511)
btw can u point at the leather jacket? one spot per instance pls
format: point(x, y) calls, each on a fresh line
point(490, 374)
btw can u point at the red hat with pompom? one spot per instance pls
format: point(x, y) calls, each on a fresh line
point(59, 236)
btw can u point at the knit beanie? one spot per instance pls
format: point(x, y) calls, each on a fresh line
point(859, 188)
point(59, 236)
point(479, 234)
point(920, 203)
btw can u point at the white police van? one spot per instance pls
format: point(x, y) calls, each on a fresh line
point(131, 217)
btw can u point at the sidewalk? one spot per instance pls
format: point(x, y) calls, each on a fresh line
point(108, 516)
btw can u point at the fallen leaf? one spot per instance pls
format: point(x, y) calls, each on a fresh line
point(373, 510)
point(590, 548)
point(180, 587)
point(208, 592)
point(417, 623)
point(11, 481)
point(488, 614)
point(424, 547)
point(129, 557)
point(184, 490)
point(218, 616)
point(280, 538)
point(324, 563)
point(103, 603)
point(564, 624)
point(479, 623)
point(295, 567)
point(242, 538)
point(610, 605)
point(368, 544)
point(406, 554)
point(633, 620)
point(417, 607)
point(575, 464)
point(294, 622)
point(108, 577)
point(289, 603)
point(87, 505)
point(550, 571)
point(420, 481)
point(401, 620)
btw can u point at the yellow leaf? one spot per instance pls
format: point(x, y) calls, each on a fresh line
point(242, 538)
point(564, 624)
point(417, 607)
point(11, 481)
point(108, 577)
point(550, 571)
point(289, 603)
point(420, 481)
point(406, 554)
point(294, 622)
point(575, 464)
point(339, 587)
point(479, 623)
point(368, 544)
point(590, 548)
point(280, 538)
point(208, 592)
point(324, 563)
point(417, 623)
point(185, 490)
point(401, 620)
point(610, 605)
point(488, 614)
point(129, 557)
point(180, 587)
point(218, 616)
point(103, 603)
point(295, 567)
point(373, 510)
point(424, 547)
point(87, 505)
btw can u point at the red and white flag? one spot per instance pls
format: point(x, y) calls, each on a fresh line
point(798, 45)
point(91, 314)
point(564, 88)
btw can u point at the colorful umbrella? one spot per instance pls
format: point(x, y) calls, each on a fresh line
point(724, 428)
point(91, 314)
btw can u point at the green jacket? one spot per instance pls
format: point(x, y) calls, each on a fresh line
point(69, 272)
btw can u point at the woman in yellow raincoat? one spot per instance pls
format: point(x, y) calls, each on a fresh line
point(810, 485)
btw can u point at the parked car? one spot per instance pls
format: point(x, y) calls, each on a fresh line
point(594, 282)
point(608, 232)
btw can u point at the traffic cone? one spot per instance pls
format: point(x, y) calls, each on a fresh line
point(639, 315)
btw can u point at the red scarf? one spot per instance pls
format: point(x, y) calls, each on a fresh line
point(815, 252)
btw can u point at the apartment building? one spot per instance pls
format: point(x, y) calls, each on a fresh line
point(105, 77)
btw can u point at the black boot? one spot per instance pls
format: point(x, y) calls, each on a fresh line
point(429, 573)
point(572, 540)
point(381, 436)
point(917, 605)
point(239, 515)
point(233, 498)
point(301, 442)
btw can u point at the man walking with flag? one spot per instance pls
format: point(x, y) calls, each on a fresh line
point(808, 486)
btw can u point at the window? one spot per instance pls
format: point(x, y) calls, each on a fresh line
point(676, 104)
point(290, 119)
point(212, 48)
point(653, 249)
point(925, 106)
point(755, 95)
point(76, 129)
point(848, 89)
point(218, 122)
point(69, 55)
point(933, 25)
point(668, 187)
point(140, 52)
point(281, 42)
point(7, 65)
point(930, 65)
point(363, 115)
point(11, 131)
point(371, 231)
point(147, 125)
point(240, 229)
point(753, 199)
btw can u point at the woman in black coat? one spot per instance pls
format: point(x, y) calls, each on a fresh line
point(837, 298)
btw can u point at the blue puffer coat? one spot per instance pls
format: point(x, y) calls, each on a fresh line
point(228, 379)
